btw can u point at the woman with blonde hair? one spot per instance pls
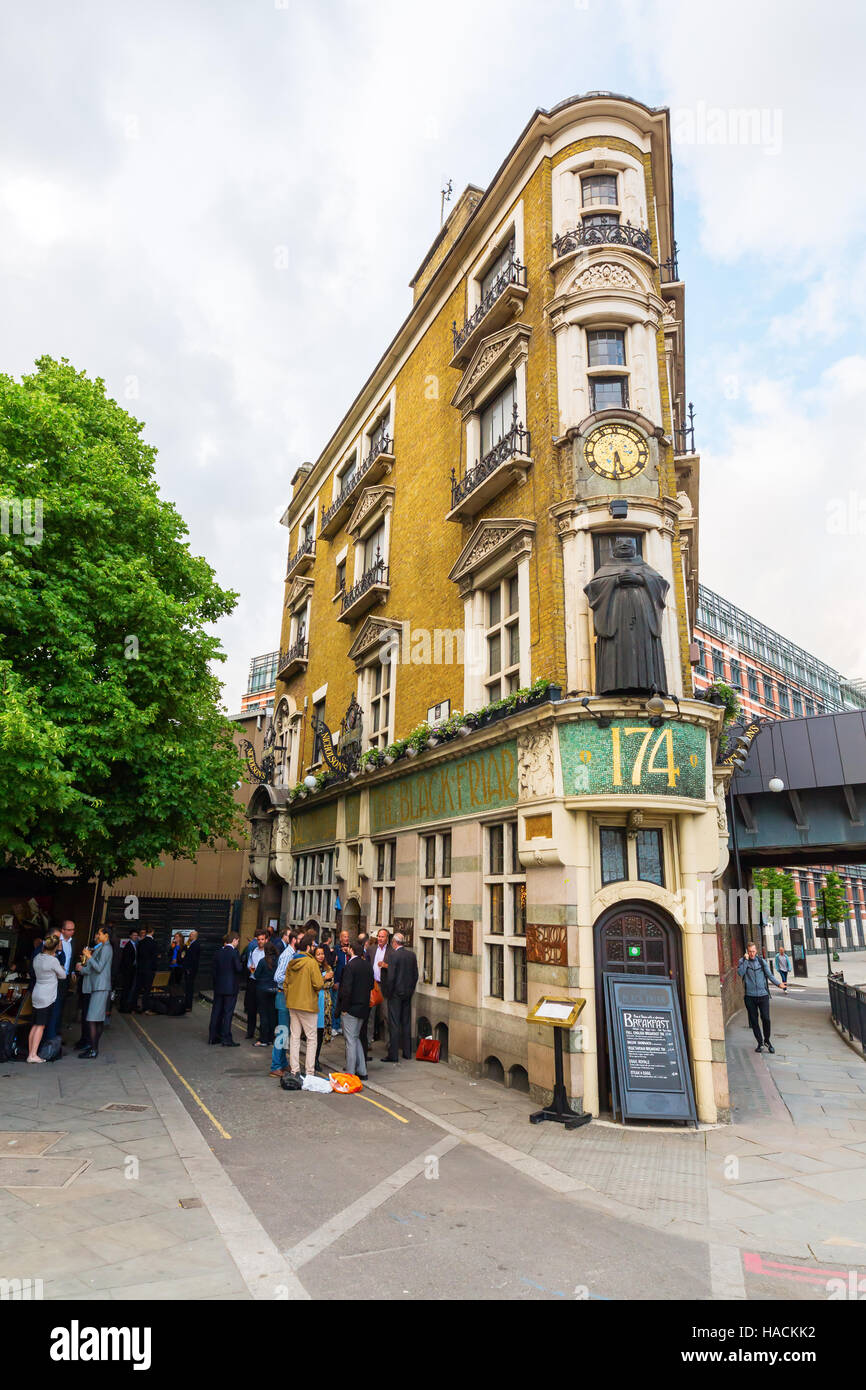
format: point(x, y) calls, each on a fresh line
point(48, 972)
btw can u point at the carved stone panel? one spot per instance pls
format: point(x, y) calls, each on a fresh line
point(535, 763)
point(461, 936)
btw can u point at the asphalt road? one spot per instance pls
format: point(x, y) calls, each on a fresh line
point(368, 1203)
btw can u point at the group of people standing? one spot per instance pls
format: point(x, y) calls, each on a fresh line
point(139, 958)
point(52, 972)
point(301, 985)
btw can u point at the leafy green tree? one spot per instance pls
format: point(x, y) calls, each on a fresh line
point(778, 893)
point(112, 744)
point(832, 903)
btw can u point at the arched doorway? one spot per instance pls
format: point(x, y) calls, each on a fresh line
point(351, 918)
point(633, 938)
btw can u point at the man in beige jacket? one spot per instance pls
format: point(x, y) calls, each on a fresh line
point(301, 985)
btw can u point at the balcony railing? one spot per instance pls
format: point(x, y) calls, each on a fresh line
point(613, 234)
point(376, 575)
point(669, 269)
point(684, 435)
point(381, 445)
point(303, 552)
point(294, 655)
point(516, 442)
point(512, 274)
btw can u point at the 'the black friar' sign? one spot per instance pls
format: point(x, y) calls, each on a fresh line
point(650, 1076)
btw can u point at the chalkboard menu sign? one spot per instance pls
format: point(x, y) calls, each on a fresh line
point(650, 1076)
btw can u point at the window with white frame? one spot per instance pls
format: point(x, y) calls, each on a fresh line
point(380, 677)
point(504, 915)
point(385, 866)
point(497, 417)
point(435, 930)
point(313, 888)
point(379, 434)
point(346, 473)
point(599, 190)
point(502, 638)
point(300, 623)
point(374, 548)
point(606, 348)
point(305, 533)
point(500, 265)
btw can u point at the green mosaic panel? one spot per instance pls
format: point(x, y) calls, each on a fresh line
point(353, 815)
point(633, 758)
point(317, 826)
point(477, 782)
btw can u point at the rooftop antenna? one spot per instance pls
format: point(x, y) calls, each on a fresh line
point(446, 198)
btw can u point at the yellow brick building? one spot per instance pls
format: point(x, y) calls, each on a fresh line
point(438, 552)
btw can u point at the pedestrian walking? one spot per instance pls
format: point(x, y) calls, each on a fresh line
point(400, 976)
point(190, 968)
point(302, 982)
point(782, 963)
point(266, 990)
point(96, 971)
point(48, 972)
point(355, 987)
point(227, 974)
point(757, 975)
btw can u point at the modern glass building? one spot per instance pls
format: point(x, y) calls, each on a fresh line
point(261, 683)
point(775, 677)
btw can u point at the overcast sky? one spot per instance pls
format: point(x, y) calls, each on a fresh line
point(218, 207)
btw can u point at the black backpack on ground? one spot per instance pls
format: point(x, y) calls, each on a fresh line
point(290, 1082)
point(8, 1041)
point(51, 1050)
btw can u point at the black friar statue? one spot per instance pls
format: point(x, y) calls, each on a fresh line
point(627, 597)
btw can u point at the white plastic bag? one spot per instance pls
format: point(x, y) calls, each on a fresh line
point(315, 1083)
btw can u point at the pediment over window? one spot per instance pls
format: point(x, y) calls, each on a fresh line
point(371, 506)
point(508, 345)
point(299, 593)
point(375, 634)
point(494, 543)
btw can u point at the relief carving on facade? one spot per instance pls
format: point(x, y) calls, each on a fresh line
point(282, 845)
point(605, 275)
point(535, 763)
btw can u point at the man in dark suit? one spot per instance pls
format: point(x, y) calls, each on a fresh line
point(227, 972)
point(250, 957)
point(190, 967)
point(127, 971)
point(145, 968)
point(54, 1027)
point(399, 979)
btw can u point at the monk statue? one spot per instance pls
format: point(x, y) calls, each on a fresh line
point(627, 597)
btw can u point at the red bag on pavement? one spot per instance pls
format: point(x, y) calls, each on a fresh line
point(428, 1050)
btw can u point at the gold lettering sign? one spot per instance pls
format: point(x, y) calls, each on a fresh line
point(546, 945)
point(483, 781)
point(539, 827)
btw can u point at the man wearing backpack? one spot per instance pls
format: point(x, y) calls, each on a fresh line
point(757, 975)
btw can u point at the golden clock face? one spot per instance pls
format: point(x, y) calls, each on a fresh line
point(617, 452)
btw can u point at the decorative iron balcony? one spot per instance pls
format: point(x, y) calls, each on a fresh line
point(613, 234)
point(469, 493)
point(513, 274)
point(295, 658)
point(365, 593)
point(302, 558)
point(376, 463)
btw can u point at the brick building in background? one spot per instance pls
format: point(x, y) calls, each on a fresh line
point(529, 410)
point(774, 677)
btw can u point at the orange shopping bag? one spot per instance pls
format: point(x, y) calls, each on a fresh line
point(344, 1082)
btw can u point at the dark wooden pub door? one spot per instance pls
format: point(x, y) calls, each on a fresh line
point(632, 940)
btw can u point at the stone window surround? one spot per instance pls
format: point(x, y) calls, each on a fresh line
point(365, 700)
point(512, 552)
point(578, 522)
point(387, 884)
point(610, 820)
point(513, 364)
point(506, 939)
point(512, 225)
point(368, 522)
point(311, 515)
point(566, 191)
point(431, 929)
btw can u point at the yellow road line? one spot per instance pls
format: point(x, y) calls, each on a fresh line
point(198, 1100)
point(401, 1118)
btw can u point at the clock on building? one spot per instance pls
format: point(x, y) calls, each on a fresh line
point(617, 452)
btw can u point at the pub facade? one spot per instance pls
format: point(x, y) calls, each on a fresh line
point(480, 736)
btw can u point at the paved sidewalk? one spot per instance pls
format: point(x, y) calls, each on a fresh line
point(124, 1203)
point(786, 1178)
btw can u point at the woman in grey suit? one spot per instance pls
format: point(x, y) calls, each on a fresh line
point(96, 972)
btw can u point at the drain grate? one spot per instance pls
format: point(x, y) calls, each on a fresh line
point(115, 1105)
point(190, 1202)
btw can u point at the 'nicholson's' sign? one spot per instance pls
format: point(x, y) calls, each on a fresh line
point(483, 781)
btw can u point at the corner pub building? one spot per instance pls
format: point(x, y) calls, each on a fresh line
point(532, 833)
